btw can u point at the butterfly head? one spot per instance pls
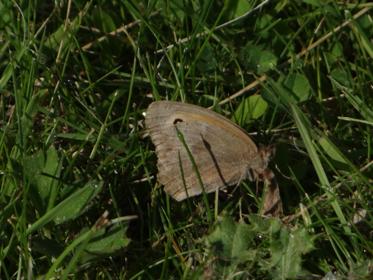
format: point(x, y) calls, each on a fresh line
point(266, 153)
point(260, 168)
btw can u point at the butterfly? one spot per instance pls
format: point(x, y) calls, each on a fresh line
point(199, 150)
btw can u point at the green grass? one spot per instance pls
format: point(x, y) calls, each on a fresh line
point(79, 197)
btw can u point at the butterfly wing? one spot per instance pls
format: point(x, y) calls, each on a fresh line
point(183, 133)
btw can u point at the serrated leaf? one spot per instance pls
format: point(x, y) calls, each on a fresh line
point(230, 240)
point(264, 226)
point(287, 251)
point(280, 249)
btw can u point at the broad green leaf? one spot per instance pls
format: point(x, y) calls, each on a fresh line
point(243, 6)
point(275, 94)
point(257, 59)
point(287, 90)
point(336, 54)
point(104, 18)
point(266, 61)
point(77, 247)
point(71, 207)
point(337, 51)
point(341, 76)
point(77, 203)
point(43, 171)
point(103, 242)
point(250, 108)
point(300, 87)
point(106, 241)
point(28, 110)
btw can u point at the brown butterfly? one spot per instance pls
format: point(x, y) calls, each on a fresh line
point(201, 151)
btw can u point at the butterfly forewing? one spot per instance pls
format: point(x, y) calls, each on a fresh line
point(221, 151)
